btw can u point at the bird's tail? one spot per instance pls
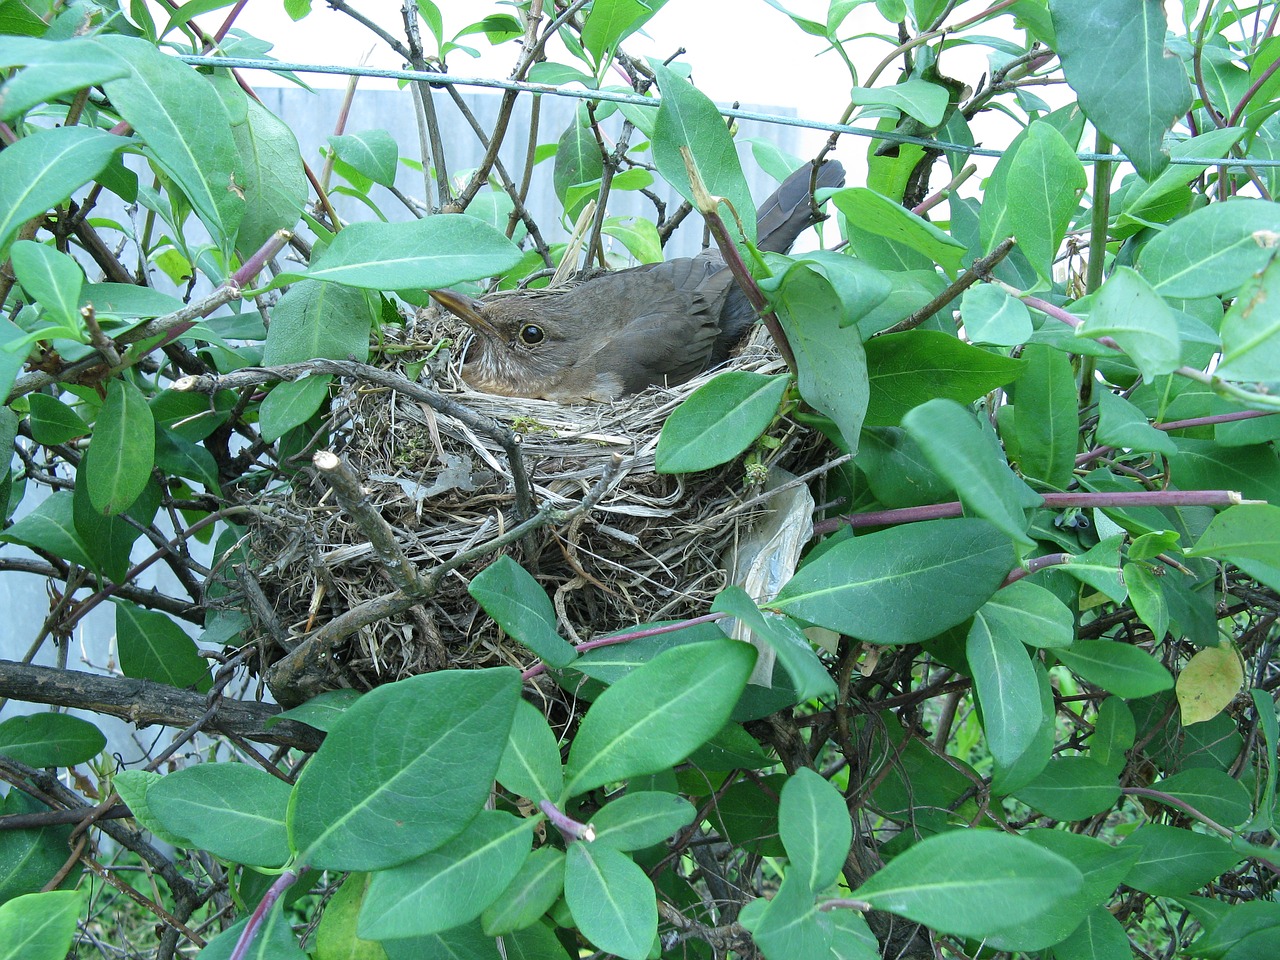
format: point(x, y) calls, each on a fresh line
point(789, 211)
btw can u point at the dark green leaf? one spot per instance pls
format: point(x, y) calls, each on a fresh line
point(1032, 614)
point(510, 595)
point(274, 184)
point(291, 404)
point(1047, 424)
point(718, 421)
point(1220, 797)
point(530, 764)
point(51, 526)
point(1121, 424)
point(52, 279)
point(1071, 788)
point(52, 421)
point(808, 675)
point(1174, 862)
point(816, 828)
point(1118, 668)
point(1113, 734)
point(153, 647)
point(53, 69)
point(274, 940)
point(374, 153)
point(532, 892)
point(30, 857)
point(578, 162)
point(322, 711)
point(50, 740)
point(368, 802)
point(123, 449)
point(319, 320)
point(869, 587)
point(1006, 686)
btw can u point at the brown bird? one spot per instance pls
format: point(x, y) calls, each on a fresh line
point(616, 334)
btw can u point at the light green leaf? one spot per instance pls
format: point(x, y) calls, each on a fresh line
point(641, 819)
point(1213, 250)
point(1007, 688)
point(1071, 788)
point(1251, 330)
point(51, 526)
point(510, 595)
point(816, 828)
point(1118, 668)
point(718, 421)
point(925, 101)
point(1047, 422)
point(611, 899)
point(52, 421)
point(808, 675)
point(1123, 425)
point(1247, 530)
point(50, 740)
point(1138, 319)
point(39, 926)
point(274, 184)
point(881, 216)
point(992, 315)
point(374, 153)
point(53, 69)
point(1048, 179)
point(532, 892)
point(230, 809)
point(609, 22)
point(530, 765)
point(1032, 614)
point(53, 280)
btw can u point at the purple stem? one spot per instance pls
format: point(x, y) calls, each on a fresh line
point(274, 892)
point(627, 637)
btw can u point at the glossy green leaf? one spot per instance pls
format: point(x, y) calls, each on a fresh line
point(578, 164)
point(1248, 530)
point(153, 647)
point(52, 69)
point(1047, 424)
point(658, 713)
point(1246, 929)
point(1174, 862)
point(30, 857)
point(52, 279)
point(510, 595)
point(1032, 614)
point(532, 892)
point(1114, 732)
point(230, 809)
point(868, 586)
point(430, 253)
point(1099, 567)
point(53, 422)
point(992, 315)
point(949, 882)
point(1071, 788)
point(1146, 595)
point(133, 787)
point(374, 153)
point(51, 526)
point(319, 320)
point(50, 740)
point(1219, 796)
point(809, 676)
point(1211, 251)
point(186, 128)
point(1129, 311)
point(611, 899)
point(274, 184)
point(322, 711)
point(1253, 470)
point(530, 764)
point(1032, 761)
point(687, 118)
point(718, 421)
point(1099, 937)
point(831, 365)
point(816, 828)
point(919, 99)
point(39, 926)
point(1118, 668)
point(1006, 686)
point(609, 22)
point(641, 819)
point(911, 368)
point(448, 886)
point(336, 936)
point(1136, 106)
point(1121, 424)
point(881, 216)
point(1048, 180)
point(1167, 195)
point(366, 803)
point(45, 168)
point(969, 459)
point(123, 449)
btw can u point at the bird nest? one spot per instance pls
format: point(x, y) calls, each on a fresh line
point(650, 547)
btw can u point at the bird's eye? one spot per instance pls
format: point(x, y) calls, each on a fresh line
point(531, 333)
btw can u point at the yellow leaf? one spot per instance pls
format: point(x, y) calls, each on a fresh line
point(1209, 682)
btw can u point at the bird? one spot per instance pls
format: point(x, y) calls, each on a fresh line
point(615, 334)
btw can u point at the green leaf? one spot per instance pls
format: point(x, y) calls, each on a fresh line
point(881, 216)
point(869, 587)
point(52, 279)
point(1114, 732)
point(950, 881)
point(578, 163)
point(274, 184)
point(186, 128)
point(230, 809)
point(322, 711)
point(1174, 862)
point(1006, 686)
point(291, 404)
point(366, 803)
point(1032, 614)
point(1220, 797)
point(992, 315)
point(687, 118)
point(30, 857)
point(1071, 788)
point(831, 367)
point(609, 22)
point(532, 892)
point(123, 449)
point(53, 69)
point(133, 787)
point(970, 460)
point(45, 168)
point(50, 740)
point(1099, 937)
point(611, 899)
point(1134, 106)
point(1251, 330)
point(274, 940)
point(1138, 319)
point(920, 99)
point(718, 421)
point(1123, 425)
point(39, 926)
point(1248, 530)
point(908, 369)
point(789, 925)
point(1099, 567)
point(659, 713)
point(808, 675)
point(530, 765)
point(51, 526)
point(641, 819)
point(1048, 179)
point(1246, 929)
point(448, 886)
point(1032, 761)
point(1146, 595)
point(319, 320)
point(374, 153)
point(153, 647)
point(1253, 470)
point(1213, 250)
point(510, 595)
point(430, 253)
point(1047, 424)
point(816, 828)
point(53, 422)
point(1118, 668)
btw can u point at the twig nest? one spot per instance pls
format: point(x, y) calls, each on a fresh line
point(652, 549)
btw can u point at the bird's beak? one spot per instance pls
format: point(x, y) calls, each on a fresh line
point(464, 308)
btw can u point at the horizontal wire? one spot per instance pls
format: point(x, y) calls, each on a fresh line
point(446, 79)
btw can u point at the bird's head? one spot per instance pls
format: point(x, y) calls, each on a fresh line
point(523, 348)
